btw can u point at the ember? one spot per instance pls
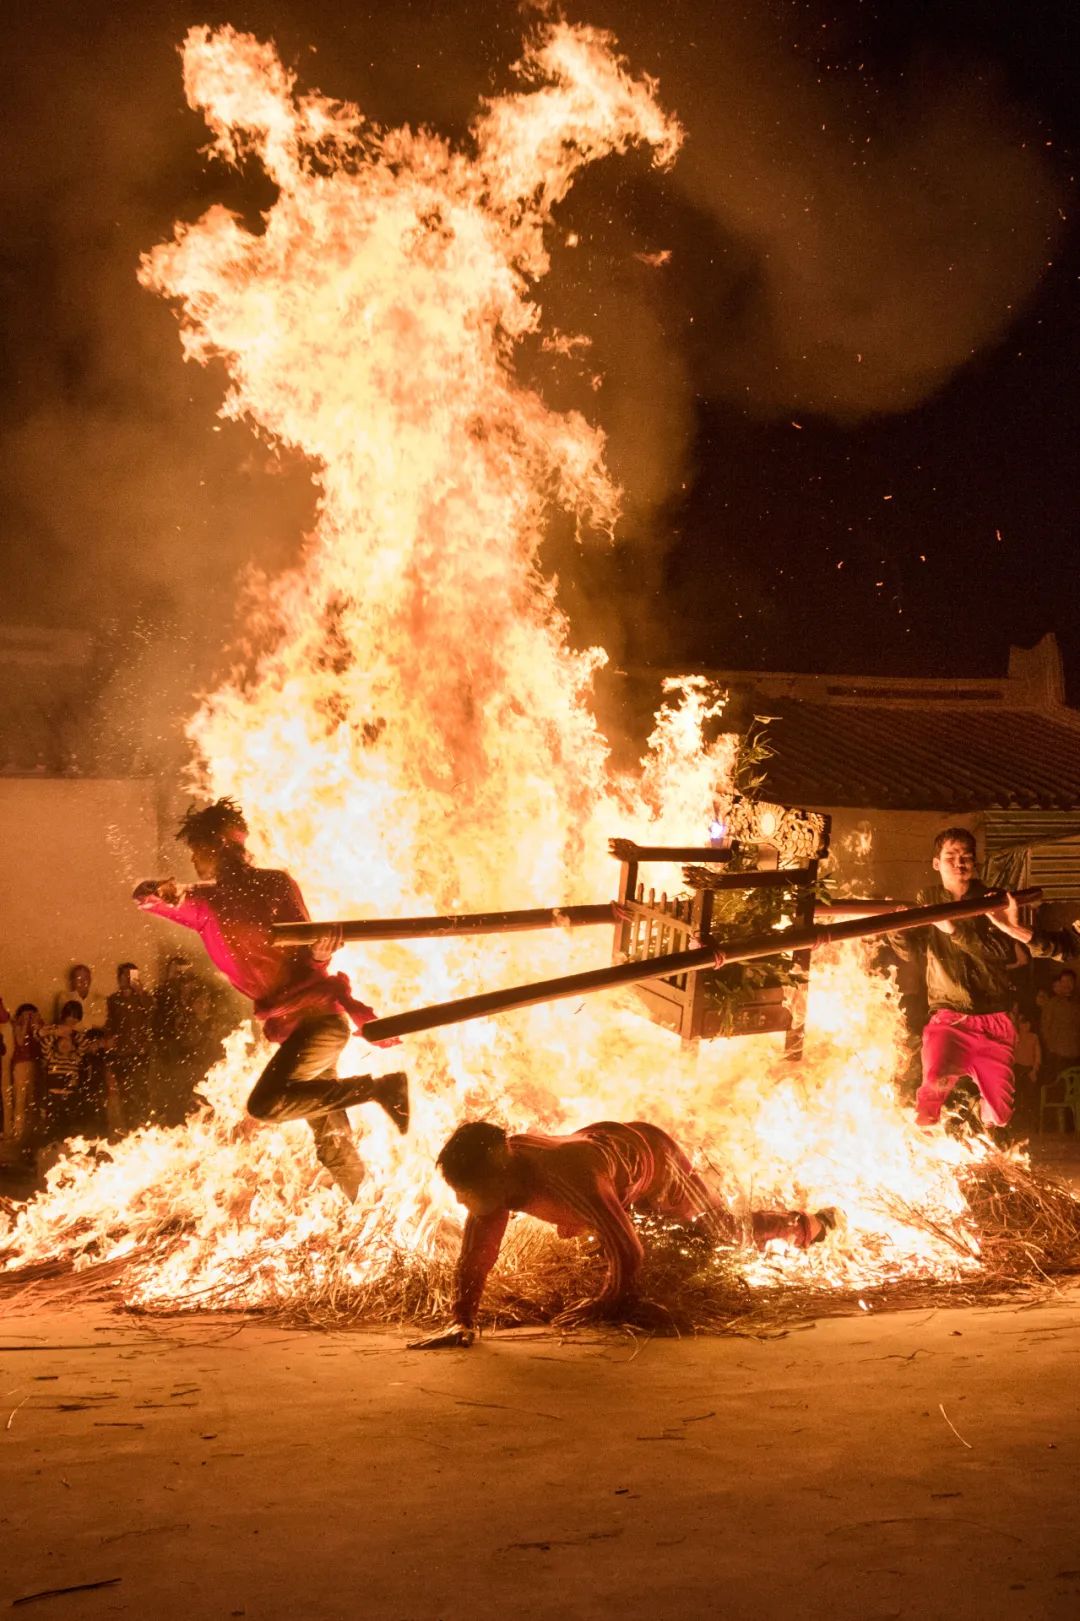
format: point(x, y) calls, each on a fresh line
point(415, 734)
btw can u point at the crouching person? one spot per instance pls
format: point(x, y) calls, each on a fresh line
point(587, 1182)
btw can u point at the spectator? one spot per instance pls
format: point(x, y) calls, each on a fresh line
point(1059, 1026)
point(92, 1004)
point(70, 1106)
point(6, 1095)
point(130, 1030)
point(21, 1097)
point(1027, 1062)
point(94, 1016)
point(172, 1003)
point(186, 1038)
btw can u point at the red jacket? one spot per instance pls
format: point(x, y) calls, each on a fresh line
point(235, 919)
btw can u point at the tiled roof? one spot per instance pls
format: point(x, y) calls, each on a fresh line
point(893, 756)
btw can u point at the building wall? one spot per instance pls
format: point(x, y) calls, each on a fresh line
point(887, 853)
point(43, 674)
point(73, 849)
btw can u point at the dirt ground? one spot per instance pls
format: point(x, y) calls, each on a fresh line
point(924, 1464)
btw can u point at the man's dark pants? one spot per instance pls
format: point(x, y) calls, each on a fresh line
point(301, 1083)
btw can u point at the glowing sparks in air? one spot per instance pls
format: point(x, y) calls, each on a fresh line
point(414, 732)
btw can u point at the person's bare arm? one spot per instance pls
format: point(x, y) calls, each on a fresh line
point(596, 1205)
point(1007, 919)
point(480, 1245)
point(620, 1244)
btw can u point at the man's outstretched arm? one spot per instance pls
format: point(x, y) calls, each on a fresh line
point(164, 897)
point(598, 1208)
point(480, 1245)
point(1058, 943)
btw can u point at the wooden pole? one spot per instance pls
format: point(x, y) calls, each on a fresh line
point(680, 962)
point(421, 928)
point(852, 908)
point(627, 850)
point(532, 917)
point(770, 878)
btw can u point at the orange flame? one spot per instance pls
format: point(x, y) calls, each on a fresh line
point(416, 735)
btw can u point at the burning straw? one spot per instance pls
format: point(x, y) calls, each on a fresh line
point(1020, 1234)
point(1023, 1227)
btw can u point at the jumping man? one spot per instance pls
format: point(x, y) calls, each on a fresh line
point(301, 1005)
point(584, 1183)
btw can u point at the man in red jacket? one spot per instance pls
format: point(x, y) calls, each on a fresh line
point(587, 1182)
point(301, 1005)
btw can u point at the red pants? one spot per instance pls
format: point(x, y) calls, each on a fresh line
point(976, 1044)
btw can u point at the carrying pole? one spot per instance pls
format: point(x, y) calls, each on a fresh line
point(710, 954)
point(434, 928)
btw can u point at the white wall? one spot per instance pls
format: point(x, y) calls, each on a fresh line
point(72, 849)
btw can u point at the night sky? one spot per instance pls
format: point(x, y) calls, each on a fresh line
point(922, 541)
point(845, 410)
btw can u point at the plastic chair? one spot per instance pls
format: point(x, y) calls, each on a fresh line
point(1068, 1103)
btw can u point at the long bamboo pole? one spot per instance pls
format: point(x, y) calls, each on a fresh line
point(680, 962)
point(420, 928)
point(844, 907)
point(532, 917)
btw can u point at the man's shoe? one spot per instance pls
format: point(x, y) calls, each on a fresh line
point(393, 1095)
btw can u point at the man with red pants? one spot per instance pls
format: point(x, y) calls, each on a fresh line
point(970, 994)
point(301, 1005)
point(587, 1182)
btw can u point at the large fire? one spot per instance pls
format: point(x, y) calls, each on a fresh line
point(411, 730)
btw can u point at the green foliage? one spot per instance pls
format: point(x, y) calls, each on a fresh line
point(753, 750)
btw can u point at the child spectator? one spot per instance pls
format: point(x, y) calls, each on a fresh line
point(69, 1106)
point(1028, 1056)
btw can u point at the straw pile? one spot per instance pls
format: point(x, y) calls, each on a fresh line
point(1023, 1226)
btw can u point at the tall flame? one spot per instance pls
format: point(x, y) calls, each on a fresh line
point(413, 729)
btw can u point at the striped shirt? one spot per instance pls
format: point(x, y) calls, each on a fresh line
point(62, 1053)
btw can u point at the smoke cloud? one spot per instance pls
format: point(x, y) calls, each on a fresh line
point(829, 243)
